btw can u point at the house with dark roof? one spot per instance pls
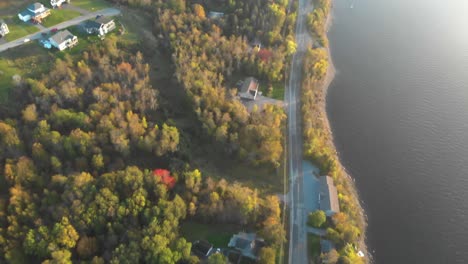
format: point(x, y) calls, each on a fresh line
point(249, 89)
point(328, 196)
point(58, 3)
point(101, 26)
point(248, 244)
point(63, 39)
point(3, 28)
point(202, 248)
point(35, 12)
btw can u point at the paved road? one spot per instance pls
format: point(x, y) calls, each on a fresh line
point(71, 22)
point(298, 213)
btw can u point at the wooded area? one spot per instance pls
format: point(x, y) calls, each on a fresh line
point(79, 145)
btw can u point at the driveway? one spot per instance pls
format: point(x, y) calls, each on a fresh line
point(71, 22)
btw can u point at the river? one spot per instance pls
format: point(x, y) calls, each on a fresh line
point(398, 109)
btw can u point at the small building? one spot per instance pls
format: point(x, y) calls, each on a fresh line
point(100, 26)
point(328, 196)
point(249, 89)
point(215, 15)
point(3, 28)
point(35, 12)
point(63, 39)
point(58, 3)
point(202, 248)
point(248, 244)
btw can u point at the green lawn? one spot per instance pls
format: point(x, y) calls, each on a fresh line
point(7, 70)
point(278, 91)
point(58, 16)
point(18, 28)
point(29, 61)
point(313, 242)
point(216, 234)
point(91, 5)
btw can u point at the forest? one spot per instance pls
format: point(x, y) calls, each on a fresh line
point(74, 187)
point(93, 171)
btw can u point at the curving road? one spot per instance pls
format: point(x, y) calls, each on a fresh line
point(298, 213)
point(71, 22)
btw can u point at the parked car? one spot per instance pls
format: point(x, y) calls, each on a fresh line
point(26, 40)
point(98, 16)
point(53, 30)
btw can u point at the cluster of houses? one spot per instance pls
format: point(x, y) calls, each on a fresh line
point(64, 39)
point(241, 248)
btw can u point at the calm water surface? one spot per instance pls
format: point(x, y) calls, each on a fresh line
point(399, 112)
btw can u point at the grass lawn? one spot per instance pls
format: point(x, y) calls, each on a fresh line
point(29, 61)
point(58, 16)
point(313, 242)
point(91, 5)
point(7, 70)
point(278, 91)
point(18, 28)
point(216, 234)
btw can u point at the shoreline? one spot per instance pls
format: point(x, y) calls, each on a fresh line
point(330, 76)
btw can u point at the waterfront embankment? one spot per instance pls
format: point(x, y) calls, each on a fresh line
point(349, 228)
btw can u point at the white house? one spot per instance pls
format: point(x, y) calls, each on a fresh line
point(101, 26)
point(35, 12)
point(3, 28)
point(63, 39)
point(58, 3)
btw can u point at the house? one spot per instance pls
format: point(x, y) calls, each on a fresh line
point(249, 89)
point(328, 196)
point(101, 25)
point(215, 15)
point(248, 244)
point(63, 39)
point(58, 3)
point(35, 12)
point(3, 28)
point(202, 248)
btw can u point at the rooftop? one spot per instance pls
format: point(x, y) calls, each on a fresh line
point(62, 36)
point(35, 6)
point(328, 196)
point(202, 248)
point(104, 20)
point(247, 243)
point(249, 88)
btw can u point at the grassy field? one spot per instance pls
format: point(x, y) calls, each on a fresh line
point(216, 234)
point(29, 60)
point(58, 16)
point(18, 28)
point(91, 5)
